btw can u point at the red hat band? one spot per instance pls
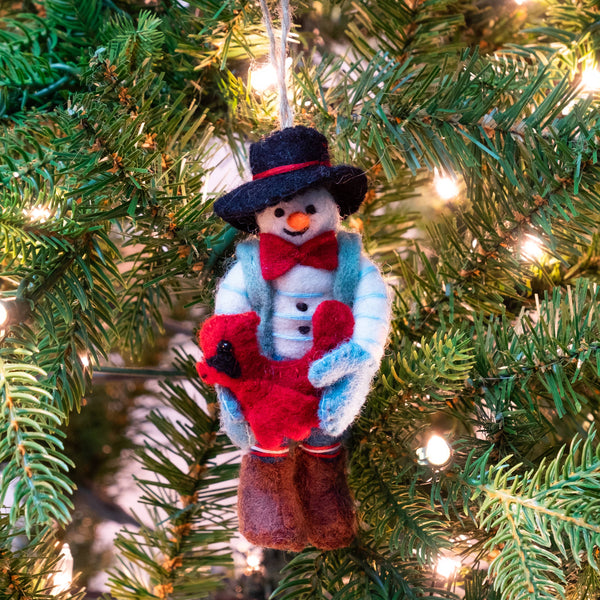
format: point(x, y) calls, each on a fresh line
point(289, 168)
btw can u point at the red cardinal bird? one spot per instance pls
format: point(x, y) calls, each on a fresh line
point(276, 397)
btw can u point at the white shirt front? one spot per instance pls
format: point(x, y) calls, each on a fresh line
point(297, 295)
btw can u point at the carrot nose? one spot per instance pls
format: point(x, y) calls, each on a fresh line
point(298, 221)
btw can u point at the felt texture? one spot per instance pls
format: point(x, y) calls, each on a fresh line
point(297, 295)
point(229, 405)
point(325, 498)
point(342, 401)
point(298, 333)
point(278, 256)
point(232, 296)
point(260, 293)
point(275, 397)
point(318, 437)
point(356, 282)
point(372, 309)
point(269, 510)
point(347, 359)
point(347, 275)
point(290, 146)
point(345, 374)
point(317, 206)
point(285, 293)
point(232, 419)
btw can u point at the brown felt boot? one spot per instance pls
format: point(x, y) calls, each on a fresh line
point(268, 507)
point(326, 500)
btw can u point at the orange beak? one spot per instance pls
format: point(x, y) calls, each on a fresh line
point(298, 221)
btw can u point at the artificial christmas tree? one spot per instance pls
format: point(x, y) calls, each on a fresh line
point(109, 113)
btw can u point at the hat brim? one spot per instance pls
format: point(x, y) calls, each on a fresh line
point(347, 185)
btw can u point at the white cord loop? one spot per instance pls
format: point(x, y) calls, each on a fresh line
point(286, 114)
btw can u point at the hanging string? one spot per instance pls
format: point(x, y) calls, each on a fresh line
point(286, 115)
point(285, 108)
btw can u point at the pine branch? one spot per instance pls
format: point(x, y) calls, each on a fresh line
point(66, 265)
point(27, 566)
point(536, 513)
point(236, 33)
point(397, 517)
point(31, 445)
point(436, 368)
point(80, 22)
point(404, 29)
point(189, 501)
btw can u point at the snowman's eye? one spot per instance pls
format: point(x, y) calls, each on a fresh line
point(310, 209)
point(279, 212)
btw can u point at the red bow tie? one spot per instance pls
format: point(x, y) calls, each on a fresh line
point(278, 256)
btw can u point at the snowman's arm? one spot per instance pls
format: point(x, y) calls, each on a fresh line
point(345, 374)
point(371, 310)
point(232, 298)
point(360, 356)
point(232, 295)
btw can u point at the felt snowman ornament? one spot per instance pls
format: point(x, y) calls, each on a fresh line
point(282, 298)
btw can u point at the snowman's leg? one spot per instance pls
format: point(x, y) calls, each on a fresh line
point(268, 508)
point(326, 500)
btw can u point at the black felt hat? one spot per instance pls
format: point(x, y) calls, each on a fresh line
point(283, 164)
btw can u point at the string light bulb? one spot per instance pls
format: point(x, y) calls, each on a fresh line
point(39, 214)
point(447, 567)
point(445, 186)
point(263, 78)
point(253, 560)
point(437, 452)
point(62, 578)
point(531, 248)
point(85, 360)
point(13, 310)
point(590, 80)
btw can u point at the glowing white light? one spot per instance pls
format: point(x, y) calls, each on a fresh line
point(253, 560)
point(519, 2)
point(264, 77)
point(590, 80)
point(437, 451)
point(446, 567)
point(531, 249)
point(63, 576)
point(446, 186)
point(3, 314)
point(39, 213)
point(85, 360)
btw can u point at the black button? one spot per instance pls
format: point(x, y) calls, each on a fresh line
point(302, 306)
point(304, 329)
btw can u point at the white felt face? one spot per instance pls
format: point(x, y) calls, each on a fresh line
point(302, 218)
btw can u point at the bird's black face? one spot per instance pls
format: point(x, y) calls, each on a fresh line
point(224, 360)
point(225, 347)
